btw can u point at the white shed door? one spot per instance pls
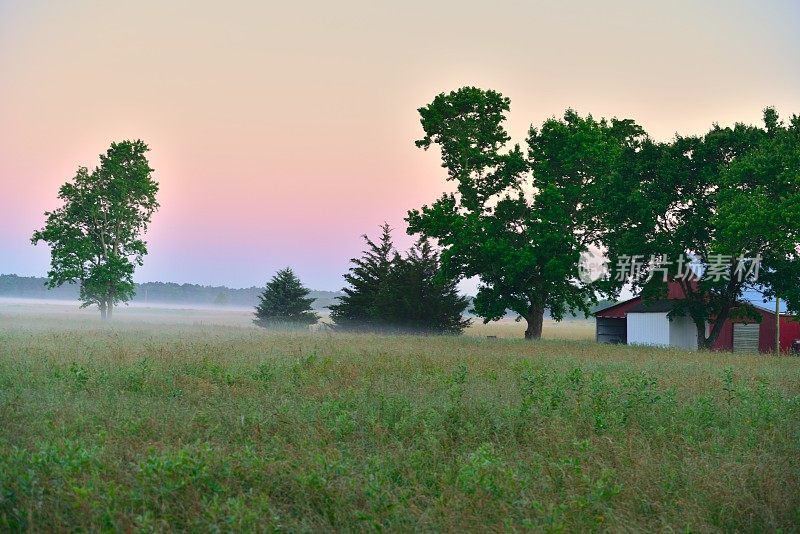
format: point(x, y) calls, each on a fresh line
point(745, 337)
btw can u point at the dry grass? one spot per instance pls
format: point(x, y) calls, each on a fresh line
point(576, 329)
point(164, 422)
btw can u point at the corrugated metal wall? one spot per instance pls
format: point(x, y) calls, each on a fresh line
point(683, 333)
point(648, 329)
point(745, 337)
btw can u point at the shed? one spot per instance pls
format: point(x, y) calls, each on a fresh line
point(612, 322)
point(648, 323)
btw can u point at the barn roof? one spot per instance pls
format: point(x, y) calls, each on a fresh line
point(618, 310)
point(653, 306)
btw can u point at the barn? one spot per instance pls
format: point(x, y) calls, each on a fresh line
point(639, 322)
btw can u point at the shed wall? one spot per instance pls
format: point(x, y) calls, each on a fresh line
point(682, 333)
point(648, 329)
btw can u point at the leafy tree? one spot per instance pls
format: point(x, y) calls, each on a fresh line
point(393, 292)
point(96, 236)
point(521, 235)
point(724, 199)
point(285, 302)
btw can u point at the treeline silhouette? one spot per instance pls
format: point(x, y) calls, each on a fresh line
point(33, 287)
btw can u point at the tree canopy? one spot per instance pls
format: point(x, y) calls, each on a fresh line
point(95, 237)
point(728, 203)
point(519, 222)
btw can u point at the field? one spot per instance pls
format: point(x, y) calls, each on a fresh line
point(191, 420)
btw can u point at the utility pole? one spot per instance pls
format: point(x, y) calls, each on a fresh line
point(777, 325)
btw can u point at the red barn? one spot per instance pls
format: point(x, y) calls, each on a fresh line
point(747, 335)
point(740, 335)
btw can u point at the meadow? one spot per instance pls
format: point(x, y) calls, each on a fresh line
point(173, 420)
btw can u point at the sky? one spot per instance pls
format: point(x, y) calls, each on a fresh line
point(280, 132)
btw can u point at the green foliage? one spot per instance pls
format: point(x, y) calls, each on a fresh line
point(285, 302)
point(732, 193)
point(366, 280)
point(393, 292)
point(522, 234)
point(96, 236)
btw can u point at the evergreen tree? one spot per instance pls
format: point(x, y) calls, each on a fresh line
point(392, 292)
point(285, 302)
point(419, 298)
point(367, 278)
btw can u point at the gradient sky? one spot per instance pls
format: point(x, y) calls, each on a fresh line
point(280, 132)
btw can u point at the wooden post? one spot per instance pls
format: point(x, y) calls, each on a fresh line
point(777, 325)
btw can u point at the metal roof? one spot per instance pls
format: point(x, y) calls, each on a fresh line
point(653, 306)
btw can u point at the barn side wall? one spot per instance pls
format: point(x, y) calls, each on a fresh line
point(682, 333)
point(790, 330)
point(648, 329)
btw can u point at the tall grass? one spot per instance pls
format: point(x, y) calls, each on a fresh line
point(198, 427)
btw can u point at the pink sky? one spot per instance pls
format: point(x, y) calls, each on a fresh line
point(280, 133)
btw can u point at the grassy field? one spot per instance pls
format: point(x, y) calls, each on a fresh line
point(189, 421)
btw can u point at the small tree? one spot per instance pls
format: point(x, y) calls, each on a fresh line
point(96, 236)
point(285, 302)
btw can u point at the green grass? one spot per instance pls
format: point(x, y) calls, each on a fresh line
point(199, 427)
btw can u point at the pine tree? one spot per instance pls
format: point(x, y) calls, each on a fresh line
point(285, 302)
point(421, 298)
point(399, 293)
point(367, 278)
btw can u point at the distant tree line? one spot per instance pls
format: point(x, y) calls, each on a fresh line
point(31, 287)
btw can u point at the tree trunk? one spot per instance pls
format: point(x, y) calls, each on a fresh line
point(702, 341)
point(707, 343)
point(534, 317)
point(102, 306)
point(109, 308)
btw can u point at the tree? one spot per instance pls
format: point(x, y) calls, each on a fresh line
point(729, 202)
point(368, 276)
point(96, 236)
point(285, 302)
point(521, 235)
point(400, 293)
point(417, 298)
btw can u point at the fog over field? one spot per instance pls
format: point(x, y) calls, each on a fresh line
point(42, 313)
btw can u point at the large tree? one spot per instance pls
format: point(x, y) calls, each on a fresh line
point(519, 223)
point(285, 302)
point(728, 202)
point(95, 237)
